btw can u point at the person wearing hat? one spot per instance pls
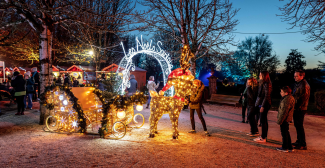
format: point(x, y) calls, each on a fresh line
point(18, 83)
point(100, 82)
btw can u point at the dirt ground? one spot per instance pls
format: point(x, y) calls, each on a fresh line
point(24, 143)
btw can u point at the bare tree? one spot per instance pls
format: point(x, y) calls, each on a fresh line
point(204, 25)
point(43, 15)
point(309, 16)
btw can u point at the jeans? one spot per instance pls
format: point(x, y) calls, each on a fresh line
point(286, 139)
point(29, 96)
point(148, 101)
point(298, 119)
point(199, 113)
point(20, 104)
point(252, 110)
point(263, 121)
point(243, 112)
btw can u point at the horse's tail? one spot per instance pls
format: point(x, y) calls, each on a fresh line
point(153, 93)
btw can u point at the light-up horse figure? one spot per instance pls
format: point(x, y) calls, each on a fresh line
point(182, 80)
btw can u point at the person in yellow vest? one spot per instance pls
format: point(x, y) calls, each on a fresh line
point(196, 105)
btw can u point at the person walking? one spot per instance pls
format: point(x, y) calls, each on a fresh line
point(285, 114)
point(252, 89)
point(29, 90)
point(151, 86)
point(263, 102)
point(196, 105)
point(75, 82)
point(18, 83)
point(301, 93)
point(133, 85)
point(36, 77)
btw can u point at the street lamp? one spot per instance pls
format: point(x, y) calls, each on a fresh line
point(91, 52)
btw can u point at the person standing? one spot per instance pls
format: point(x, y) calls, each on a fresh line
point(263, 102)
point(196, 105)
point(36, 77)
point(18, 83)
point(100, 82)
point(252, 89)
point(67, 81)
point(133, 85)
point(244, 102)
point(301, 93)
point(151, 86)
point(29, 90)
point(75, 82)
point(285, 114)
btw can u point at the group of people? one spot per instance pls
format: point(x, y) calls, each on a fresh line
point(293, 105)
point(65, 79)
point(24, 87)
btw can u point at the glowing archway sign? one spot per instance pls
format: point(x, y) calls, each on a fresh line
point(159, 54)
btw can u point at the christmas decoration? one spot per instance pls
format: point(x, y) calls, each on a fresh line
point(157, 52)
point(182, 80)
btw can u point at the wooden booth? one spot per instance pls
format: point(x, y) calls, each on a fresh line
point(140, 74)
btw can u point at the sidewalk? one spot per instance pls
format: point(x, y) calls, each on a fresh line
point(23, 143)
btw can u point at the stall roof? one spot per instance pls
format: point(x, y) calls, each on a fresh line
point(114, 67)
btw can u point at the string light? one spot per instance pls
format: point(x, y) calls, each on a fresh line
point(158, 53)
point(181, 79)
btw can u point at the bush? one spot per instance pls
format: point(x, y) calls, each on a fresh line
point(320, 100)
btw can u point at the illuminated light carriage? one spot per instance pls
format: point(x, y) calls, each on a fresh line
point(84, 110)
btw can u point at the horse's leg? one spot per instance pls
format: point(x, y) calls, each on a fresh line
point(174, 119)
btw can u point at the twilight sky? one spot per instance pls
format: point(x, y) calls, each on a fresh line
point(259, 16)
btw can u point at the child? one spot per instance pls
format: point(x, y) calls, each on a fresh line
point(285, 114)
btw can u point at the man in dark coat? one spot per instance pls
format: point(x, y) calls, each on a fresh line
point(301, 93)
point(19, 84)
point(67, 80)
point(133, 85)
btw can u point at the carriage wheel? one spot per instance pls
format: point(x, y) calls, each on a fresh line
point(52, 123)
point(119, 129)
point(138, 120)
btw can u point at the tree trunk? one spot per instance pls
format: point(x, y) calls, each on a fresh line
point(193, 68)
point(46, 69)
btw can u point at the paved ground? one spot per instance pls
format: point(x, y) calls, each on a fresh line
point(23, 143)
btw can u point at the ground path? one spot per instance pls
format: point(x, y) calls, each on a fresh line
point(23, 143)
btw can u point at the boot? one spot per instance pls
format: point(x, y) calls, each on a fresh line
point(22, 113)
point(18, 113)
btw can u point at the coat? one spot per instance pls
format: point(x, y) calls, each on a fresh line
point(67, 81)
point(30, 85)
point(196, 98)
point(101, 84)
point(264, 95)
point(151, 86)
point(286, 109)
point(19, 85)
point(301, 93)
point(133, 86)
point(251, 95)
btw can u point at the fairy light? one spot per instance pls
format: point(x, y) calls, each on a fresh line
point(182, 81)
point(157, 52)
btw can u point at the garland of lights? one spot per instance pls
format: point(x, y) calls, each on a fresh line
point(158, 53)
point(44, 97)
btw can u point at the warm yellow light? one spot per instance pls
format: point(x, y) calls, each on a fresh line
point(139, 107)
point(91, 52)
point(121, 114)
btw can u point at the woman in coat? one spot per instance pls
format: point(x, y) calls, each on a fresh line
point(18, 83)
point(151, 86)
point(252, 88)
point(263, 103)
